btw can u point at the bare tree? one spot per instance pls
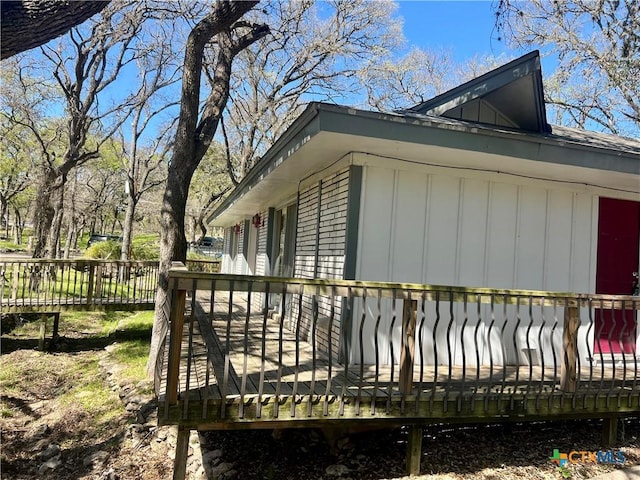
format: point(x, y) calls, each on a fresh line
point(598, 47)
point(393, 84)
point(194, 134)
point(146, 152)
point(28, 24)
point(210, 183)
point(396, 83)
point(83, 65)
point(315, 52)
point(15, 167)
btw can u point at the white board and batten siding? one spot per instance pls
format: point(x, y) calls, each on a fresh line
point(445, 227)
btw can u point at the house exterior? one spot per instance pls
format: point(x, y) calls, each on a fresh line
point(472, 188)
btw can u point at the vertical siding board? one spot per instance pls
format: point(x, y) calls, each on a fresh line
point(473, 233)
point(443, 226)
point(530, 251)
point(502, 235)
point(585, 233)
point(409, 223)
point(559, 240)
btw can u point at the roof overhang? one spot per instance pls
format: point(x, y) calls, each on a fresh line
point(324, 135)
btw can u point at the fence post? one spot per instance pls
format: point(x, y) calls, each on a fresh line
point(97, 291)
point(176, 322)
point(407, 349)
point(569, 377)
point(16, 284)
point(91, 283)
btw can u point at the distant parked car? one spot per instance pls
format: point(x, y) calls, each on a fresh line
point(98, 237)
point(206, 241)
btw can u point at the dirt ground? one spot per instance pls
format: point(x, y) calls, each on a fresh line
point(63, 400)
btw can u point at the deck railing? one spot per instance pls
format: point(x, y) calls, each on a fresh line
point(40, 285)
point(258, 348)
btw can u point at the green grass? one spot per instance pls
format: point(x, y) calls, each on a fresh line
point(132, 353)
point(9, 244)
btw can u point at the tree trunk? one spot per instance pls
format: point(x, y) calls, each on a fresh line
point(17, 226)
point(173, 247)
point(43, 216)
point(127, 228)
point(4, 209)
point(56, 224)
point(30, 23)
point(191, 143)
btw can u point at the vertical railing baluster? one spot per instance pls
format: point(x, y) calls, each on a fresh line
point(450, 358)
point(348, 318)
point(590, 354)
point(597, 340)
point(245, 356)
point(623, 330)
point(190, 360)
point(391, 353)
point(314, 339)
point(62, 285)
point(529, 355)
point(227, 352)
point(376, 348)
point(634, 307)
point(420, 335)
point(294, 395)
point(361, 348)
point(332, 313)
point(465, 319)
point(263, 352)
point(476, 346)
point(435, 351)
point(208, 360)
point(276, 406)
point(503, 329)
point(490, 348)
point(541, 349)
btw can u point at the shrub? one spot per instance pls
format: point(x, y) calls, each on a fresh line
point(145, 251)
point(108, 250)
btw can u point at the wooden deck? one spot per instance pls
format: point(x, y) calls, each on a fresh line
point(250, 371)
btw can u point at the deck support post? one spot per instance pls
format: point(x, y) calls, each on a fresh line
point(414, 450)
point(609, 431)
point(407, 349)
point(569, 376)
point(56, 326)
point(43, 331)
point(182, 452)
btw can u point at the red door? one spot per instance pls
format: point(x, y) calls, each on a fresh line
point(618, 251)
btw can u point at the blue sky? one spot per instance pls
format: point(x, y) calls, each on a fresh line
point(465, 27)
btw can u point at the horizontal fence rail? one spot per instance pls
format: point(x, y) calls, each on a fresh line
point(41, 285)
point(246, 349)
